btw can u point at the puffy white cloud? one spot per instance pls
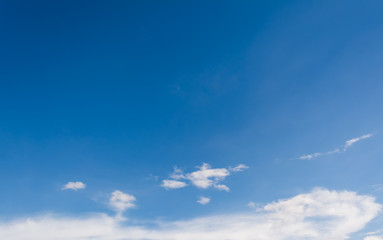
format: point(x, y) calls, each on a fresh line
point(207, 177)
point(203, 200)
point(354, 140)
point(74, 186)
point(204, 178)
point(320, 214)
point(120, 201)
point(173, 184)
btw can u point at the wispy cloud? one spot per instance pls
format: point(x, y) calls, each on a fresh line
point(120, 202)
point(375, 235)
point(251, 204)
point(173, 184)
point(238, 168)
point(152, 177)
point(205, 177)
point(373, 238)
point(320, 214)
point(377, 187)
point(74, 186)
point(203, 200)
point(345, 146)
point(310, 156)
point(354, 140)
point(222, 187)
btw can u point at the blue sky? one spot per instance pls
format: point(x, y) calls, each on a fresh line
point(156, 112)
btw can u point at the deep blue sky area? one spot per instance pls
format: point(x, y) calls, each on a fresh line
point(117, 93)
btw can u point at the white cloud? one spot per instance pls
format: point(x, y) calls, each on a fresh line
point(74, 186)
point(207, 176)
point(336, 150)
point(310, 156)
point(177, 174)
point(203, 200)
point(320, 214)
point(120, 201)
point(173, 184)
point(373, 238)
point(354, 140)
point(375, 235)
point(204, 178)
point(347, 144)
point(238, 168)
point(222, 187)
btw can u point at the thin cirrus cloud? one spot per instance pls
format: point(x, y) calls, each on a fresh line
point(205, 177)
point(319, 214)
point(203, 200)
point(74, 186)
point(354, 140)
point(345, 147)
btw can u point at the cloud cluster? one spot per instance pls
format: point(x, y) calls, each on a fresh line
point(345, 146)
point(204, 178)
point(320, 214)
point(74, 186)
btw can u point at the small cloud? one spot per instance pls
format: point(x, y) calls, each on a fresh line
point(173, 184)
point(120, 201)
point(203, 200)
point(347, 144)
point(251, 204)
point(354, 140)
point(373, 238)
point(177, 174)
point(377, 187)
point(238, 168)
point(152, 177)
point(310, 156)
point(74, 186)
point(336, 150)
point(257, 206)
point(222, 187)
point(207, 177)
